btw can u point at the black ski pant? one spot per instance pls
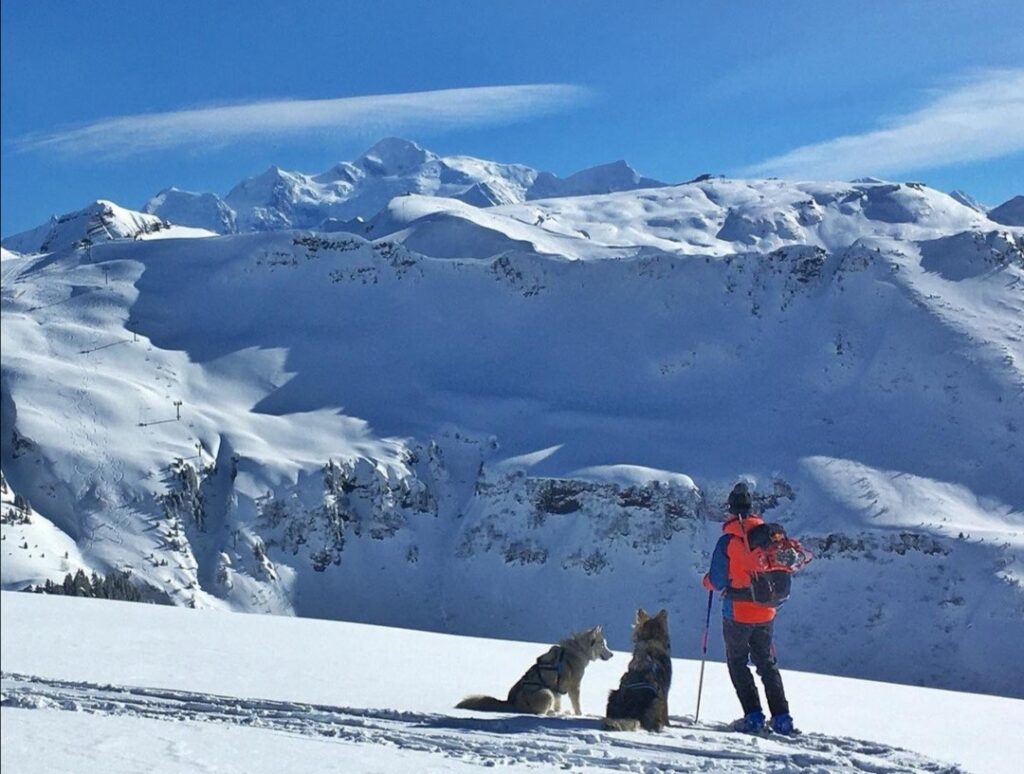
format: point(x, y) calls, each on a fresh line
point(753, 642)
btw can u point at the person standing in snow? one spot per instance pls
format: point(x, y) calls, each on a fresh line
point(746, 624)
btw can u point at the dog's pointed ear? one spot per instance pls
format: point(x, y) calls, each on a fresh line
point(597, 630)
point(641, 615)
point(662, 614)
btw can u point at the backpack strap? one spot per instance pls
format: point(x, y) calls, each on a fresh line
point(550, 672)
point(745, 594)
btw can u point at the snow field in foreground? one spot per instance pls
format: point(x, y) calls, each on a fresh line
point(261, 693)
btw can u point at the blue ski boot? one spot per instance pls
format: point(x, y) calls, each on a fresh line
point(751, 723)
point(783, 724)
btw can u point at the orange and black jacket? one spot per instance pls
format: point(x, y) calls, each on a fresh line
point(730, 573)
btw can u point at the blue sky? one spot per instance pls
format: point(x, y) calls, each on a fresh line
point(927, 91)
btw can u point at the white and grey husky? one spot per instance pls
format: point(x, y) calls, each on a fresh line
point(557, 672)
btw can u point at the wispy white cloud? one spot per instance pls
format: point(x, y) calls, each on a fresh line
point(348, 116)
point(978, 118)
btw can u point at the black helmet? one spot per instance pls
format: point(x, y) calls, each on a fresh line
point(740, 501)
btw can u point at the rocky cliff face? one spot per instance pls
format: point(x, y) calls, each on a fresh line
point(527, 555)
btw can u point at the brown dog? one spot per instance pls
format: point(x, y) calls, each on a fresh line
point(641, 700)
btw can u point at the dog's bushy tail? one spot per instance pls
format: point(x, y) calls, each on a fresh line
point(620, 724)
point(485, 704)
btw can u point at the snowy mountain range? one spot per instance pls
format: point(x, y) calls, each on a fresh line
point(382, 401)
point(359, 189)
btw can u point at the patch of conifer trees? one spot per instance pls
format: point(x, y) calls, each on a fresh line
point(114, 585)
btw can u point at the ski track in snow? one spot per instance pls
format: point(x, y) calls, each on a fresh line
point(564, 742)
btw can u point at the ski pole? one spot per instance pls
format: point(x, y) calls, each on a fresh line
point(704, 655)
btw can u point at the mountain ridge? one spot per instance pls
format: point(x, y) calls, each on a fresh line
point(360, 188)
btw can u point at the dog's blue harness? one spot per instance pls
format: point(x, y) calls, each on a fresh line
point(557, 667)
point(640, 685)
point(646, 685)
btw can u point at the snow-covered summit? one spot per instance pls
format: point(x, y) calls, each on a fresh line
point(1010, 213)
point(605, 178)
point(99, 221)
point(394, 156)
point(277, 199)
point(967, 200)
point(200, 210)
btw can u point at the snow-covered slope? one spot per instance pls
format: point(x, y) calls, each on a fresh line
point(489, 414)
point(722, 217)
point(34, 550)
point(337, 198)
point(714, 217)
point(164, 690)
